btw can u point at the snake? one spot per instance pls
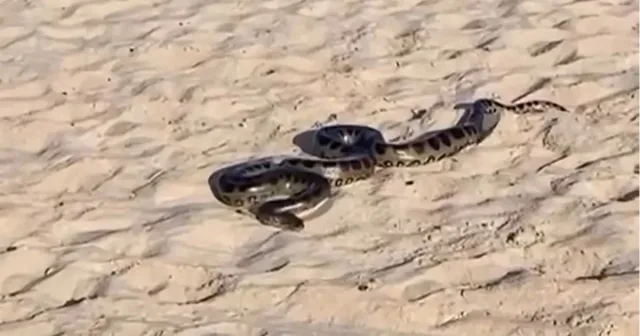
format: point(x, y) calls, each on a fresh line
point(274, 190)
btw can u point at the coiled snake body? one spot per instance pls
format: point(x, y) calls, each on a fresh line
point(274, 191)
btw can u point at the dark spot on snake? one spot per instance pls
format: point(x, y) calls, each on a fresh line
point(225, 186)
point(338, 182)
point(380, 148)
point(470, 130)
point(414, 163)
point(319, 191)
point(226, 199)
point(334, 145)
point(430, 159)
point(349, 180)
point(559, 107)
point(356, 165)
point(308, 163)
point(444, 137)
point(274, 180)
point(293, 178)
point(293, 162)
point(238, 203)
point(388, 164)
point(442, 156)
point(486, 103)
point(400, 164)
point(433, 142)
point(408, 182)
point(367, 164)
point(402, 147)
point(329, 164)
point(323, 140)
point(265, 165)
point(418, 147)
point(457, 133)
point(345, 165)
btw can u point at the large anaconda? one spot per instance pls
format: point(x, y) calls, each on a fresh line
point(275, 190)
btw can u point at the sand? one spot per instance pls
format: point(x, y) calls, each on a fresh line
point(114, 113)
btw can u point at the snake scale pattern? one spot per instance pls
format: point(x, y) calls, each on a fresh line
point(273, 191)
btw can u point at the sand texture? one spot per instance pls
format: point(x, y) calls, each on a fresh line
point(114, 113)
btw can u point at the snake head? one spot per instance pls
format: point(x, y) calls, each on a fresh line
point(284, 221)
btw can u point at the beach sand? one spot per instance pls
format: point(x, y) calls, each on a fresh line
point(114, 113)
